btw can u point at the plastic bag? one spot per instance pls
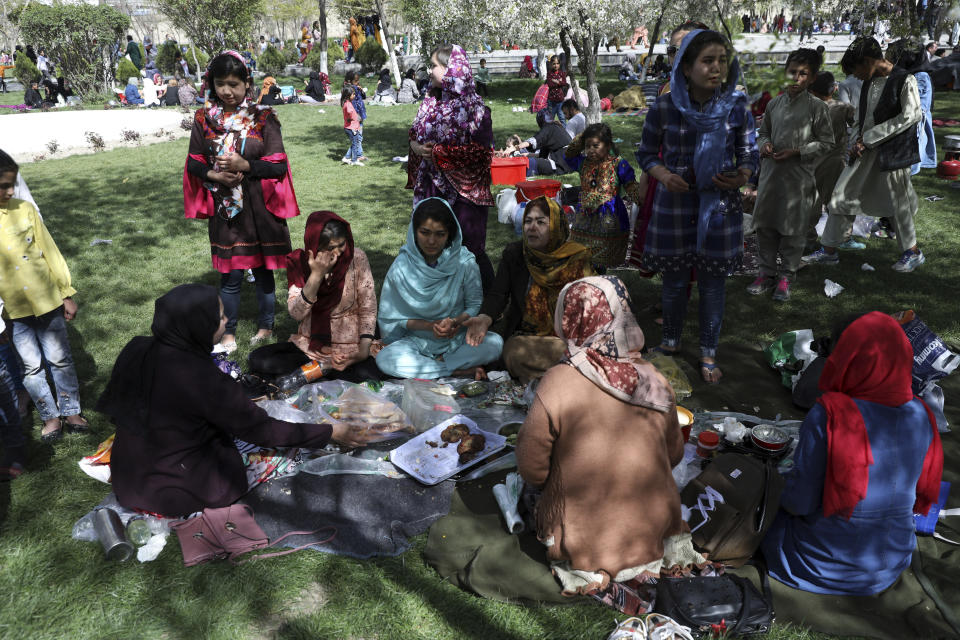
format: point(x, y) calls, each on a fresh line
point(427, 403)
point(506, 204)
point(671, 371)
point(790, 354)
point(339, 402)
point(931, 358)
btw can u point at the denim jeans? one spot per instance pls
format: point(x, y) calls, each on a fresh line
point(554, 109)
point(45, 338)
point(712, 300)
point(353, 152)
point(9, 357)
point(11, 435)
point(266, 297)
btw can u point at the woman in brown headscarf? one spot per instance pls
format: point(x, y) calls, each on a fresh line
point(531, 274)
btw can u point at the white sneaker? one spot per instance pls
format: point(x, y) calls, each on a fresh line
point(346, 161)
point(227, 348)
point(629, 629)
point(358, 164)
point(661, 627)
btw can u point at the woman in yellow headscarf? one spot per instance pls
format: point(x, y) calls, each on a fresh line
point(356, 36)
point(530, 276)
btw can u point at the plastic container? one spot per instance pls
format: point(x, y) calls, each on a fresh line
point(425, 407)
point(508, 170)
point(532, 189)
point(707, 443)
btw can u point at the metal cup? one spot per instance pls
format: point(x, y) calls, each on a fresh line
point(110, 532)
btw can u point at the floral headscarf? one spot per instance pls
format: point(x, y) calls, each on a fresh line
point(594, 317)
point(456, 116)
point(557, 264)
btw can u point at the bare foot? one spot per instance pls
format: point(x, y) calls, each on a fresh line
point(709, 371)
point(477, 373)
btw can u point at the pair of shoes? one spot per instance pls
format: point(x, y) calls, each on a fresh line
point(761, 285)
point(226, 348)
point(909, 261)
point(853, 245)
point(259, 339)
point(52, 436)
point(661, 627)
point(75, 427)
point(782, 294)
point(358, 164)
point(707, 369)
point(14, 471)
point(820, 256)
point(630, 629)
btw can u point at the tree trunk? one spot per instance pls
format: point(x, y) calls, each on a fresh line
point(323, 36)
point(541, 61)
point(586, 46)
point(385, 29)
point(196, 63)
point(653, 40)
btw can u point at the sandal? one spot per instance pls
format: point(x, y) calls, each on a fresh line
point(707, 370)
point(52, 436)
point(14, 471)
point(75, 427)
point(662, 351)
point(630, 629)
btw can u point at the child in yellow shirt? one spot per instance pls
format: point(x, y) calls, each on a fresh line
point(35, 286)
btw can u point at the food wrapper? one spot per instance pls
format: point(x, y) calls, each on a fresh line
point(336, 401)
point(673, 373)
point(97, 465)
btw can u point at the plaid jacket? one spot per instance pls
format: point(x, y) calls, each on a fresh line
point(671, 242)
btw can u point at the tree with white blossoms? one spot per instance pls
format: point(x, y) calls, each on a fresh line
point(581, 24)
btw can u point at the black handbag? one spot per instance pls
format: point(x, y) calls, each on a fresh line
point(704, 603)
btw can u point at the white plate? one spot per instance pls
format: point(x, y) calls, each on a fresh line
point(431, 465)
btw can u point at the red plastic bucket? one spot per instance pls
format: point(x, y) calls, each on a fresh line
point(508, 170)
point(533, 189)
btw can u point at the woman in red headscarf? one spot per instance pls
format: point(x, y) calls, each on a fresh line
point(869, 457)
point(331, 294)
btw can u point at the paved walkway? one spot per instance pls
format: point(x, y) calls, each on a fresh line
point(25, 135)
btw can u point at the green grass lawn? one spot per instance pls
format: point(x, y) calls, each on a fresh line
point(53, 587)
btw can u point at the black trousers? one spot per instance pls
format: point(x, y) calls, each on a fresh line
point(281, 358)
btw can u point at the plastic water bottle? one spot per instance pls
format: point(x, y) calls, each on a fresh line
point(138, 530)
point(310, 372)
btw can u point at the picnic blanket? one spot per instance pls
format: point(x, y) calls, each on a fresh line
point(905, 610)
point(374, 508)
point(628, 112)
point(471, 548)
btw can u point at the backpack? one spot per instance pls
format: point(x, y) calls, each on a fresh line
point(732, 504)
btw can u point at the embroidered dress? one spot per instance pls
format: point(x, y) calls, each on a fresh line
point(247, 223)
point(602, 224)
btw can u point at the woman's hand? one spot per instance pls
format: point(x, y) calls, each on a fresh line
point(446, 328)
point(675, 184)
point(341, 361)
point(477, 329)
point(766, 150)
point(321, 263)
point(226, 178)
point(69, 309)
point(731, 183)
point(231, 162)
point(350, 437)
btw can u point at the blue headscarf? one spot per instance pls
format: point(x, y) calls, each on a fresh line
point(414, 289)
point(711, 150)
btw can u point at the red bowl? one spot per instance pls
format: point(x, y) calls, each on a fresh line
point(769, 438)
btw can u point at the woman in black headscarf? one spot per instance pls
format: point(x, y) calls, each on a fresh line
point(177, 414)
point(313, 94)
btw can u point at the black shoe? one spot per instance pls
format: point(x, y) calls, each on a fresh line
point(53, 436)
point(75, 428)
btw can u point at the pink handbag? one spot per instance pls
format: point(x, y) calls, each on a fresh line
point(229, 532)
